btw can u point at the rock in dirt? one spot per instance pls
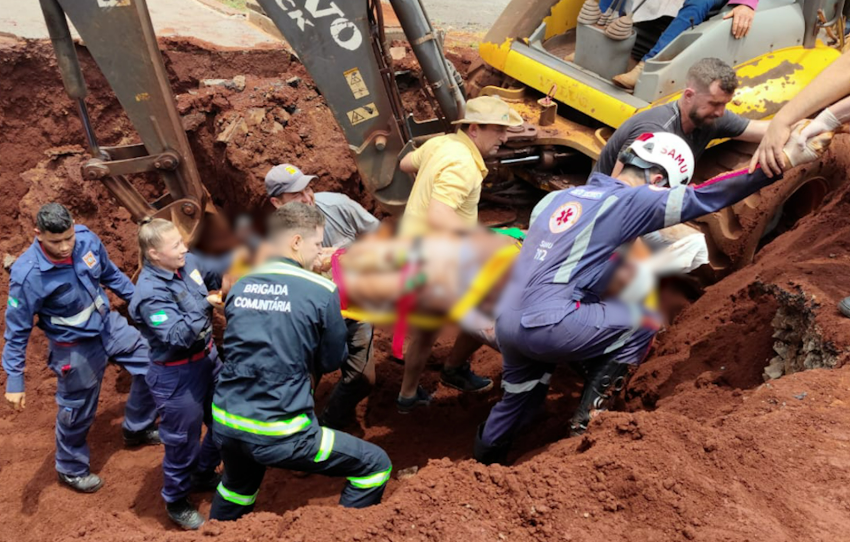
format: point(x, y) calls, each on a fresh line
point(8, 260)
point(237, 83)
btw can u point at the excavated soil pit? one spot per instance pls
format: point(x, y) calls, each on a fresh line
point(705, 450)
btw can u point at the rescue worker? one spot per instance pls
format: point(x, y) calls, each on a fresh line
point(284, 328)
point(171, 308)
point(60, 278)
point(449, 173)
point(699, 116)
point(553, 311)
point(345, 220)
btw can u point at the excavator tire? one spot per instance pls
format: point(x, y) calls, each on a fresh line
point(735, 234)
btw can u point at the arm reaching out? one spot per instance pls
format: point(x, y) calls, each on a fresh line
point(831, 85)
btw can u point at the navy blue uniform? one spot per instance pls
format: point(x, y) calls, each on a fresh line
point(552, 310)
point(284, 328)
point(73, 311)
point(176, 319)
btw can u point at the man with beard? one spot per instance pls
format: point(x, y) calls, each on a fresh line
point(698, 116)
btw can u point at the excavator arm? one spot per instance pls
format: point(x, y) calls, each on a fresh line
point(120, 37)
point(343, 46)
point(341, 43)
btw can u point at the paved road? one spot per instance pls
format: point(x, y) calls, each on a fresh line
point(170, 18)
point(465, 14)
point(191, 18)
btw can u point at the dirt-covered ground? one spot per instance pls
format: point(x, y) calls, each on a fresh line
point(703, 449)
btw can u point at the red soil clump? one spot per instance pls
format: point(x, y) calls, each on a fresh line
point(704, 449)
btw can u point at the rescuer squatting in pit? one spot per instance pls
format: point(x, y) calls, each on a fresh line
point(552, 310)
point(284, 329)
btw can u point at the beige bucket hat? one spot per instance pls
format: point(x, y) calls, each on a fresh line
point(489, 110)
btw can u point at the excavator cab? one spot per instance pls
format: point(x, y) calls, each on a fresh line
point(531, 40)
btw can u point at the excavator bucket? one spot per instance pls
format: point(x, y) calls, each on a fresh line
point(120, 37)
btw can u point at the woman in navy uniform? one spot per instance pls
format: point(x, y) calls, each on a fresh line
point(171, 307)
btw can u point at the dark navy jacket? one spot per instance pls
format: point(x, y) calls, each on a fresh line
point(283, 326)
point(570, 251)
point(175, 316)
point(70, 303)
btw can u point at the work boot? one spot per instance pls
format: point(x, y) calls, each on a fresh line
point(489, 454)
point(462, 378)
point(844, 307)
point(84, 484)
point(148, 436)
point(204, 481)
point(184, 514)
point(629, 79)
point(408, 404)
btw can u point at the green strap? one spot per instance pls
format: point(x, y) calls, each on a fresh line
point(514, 233)
point(373, 480)
point(326, 445)
point(281, 428)
point(243, 500)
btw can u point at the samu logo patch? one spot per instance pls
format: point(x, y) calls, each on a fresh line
point(158, 318)
point(564, 217)
point(196, 276)
point(90, 260)
point(13, 302)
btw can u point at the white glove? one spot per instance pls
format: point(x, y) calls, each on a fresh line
point(800, 150)
point(825, 122)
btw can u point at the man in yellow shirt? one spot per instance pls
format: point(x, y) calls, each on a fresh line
point(449, 172)
point(450, 169)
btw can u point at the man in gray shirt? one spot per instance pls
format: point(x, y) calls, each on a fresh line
point(698, 116)
point(345, 220)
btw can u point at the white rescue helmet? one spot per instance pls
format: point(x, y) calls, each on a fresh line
point(664, 150)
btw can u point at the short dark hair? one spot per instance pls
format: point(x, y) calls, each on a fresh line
point(295, 216)
point(708, 70)
point(54, 218)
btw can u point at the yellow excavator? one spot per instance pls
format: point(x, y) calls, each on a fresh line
point(570, 107)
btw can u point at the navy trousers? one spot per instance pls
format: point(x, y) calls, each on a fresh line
point(596, 333)
point(183, 395)
point(317, 450)
point(80, 367)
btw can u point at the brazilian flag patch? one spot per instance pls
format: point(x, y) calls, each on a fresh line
point(159, 318)
point(13, 302)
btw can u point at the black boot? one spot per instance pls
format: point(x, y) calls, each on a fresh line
point(84, 484)
point(184, 514)
point(492, 453)
point(205, 481)
point(148, 436)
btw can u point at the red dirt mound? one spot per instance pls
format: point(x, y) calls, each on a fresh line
point(706, 451)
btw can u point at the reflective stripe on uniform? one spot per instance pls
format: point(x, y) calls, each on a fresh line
point(581, 243)
point(637, 317)
point(291, 270)
point(243, 500)
point(373, 480)
point(281, 428)
point(325, 446)
point(673, 209)
point(528, 385)
point(76, 320)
